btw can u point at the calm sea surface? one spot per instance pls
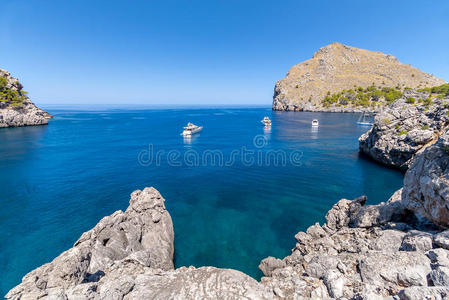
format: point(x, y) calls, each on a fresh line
point(236, 192)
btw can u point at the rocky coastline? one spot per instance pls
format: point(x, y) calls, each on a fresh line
point(398, 249)
point(16, 109)
point(403, 129)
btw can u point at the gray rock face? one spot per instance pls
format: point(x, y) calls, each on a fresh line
point(27, 114)
point(143, 233)
point(417, 241)
point(129, 255)
point(362, 252)
point(401, 130)
point(430, 292)
point(426, 184)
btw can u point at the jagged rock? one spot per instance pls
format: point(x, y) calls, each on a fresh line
point(269, 264)
point(439, 256)
point(340, 214)
point(402, 130)
point(426, 185)
point(26, 114)
point(428, 293)
point(416, 240)
point(131, 234)
point(375, 215)
point(398, 268)
point(335, 283)
point(320, 264)
point(440, 276)
point(359, 262)
point(307, 83)
point(388, 240)
point(442, 239)
point(184, 283)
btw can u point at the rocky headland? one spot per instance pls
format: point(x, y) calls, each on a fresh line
point(16, 109)
point(398, 249)
point(407, 126)
point(338, 79)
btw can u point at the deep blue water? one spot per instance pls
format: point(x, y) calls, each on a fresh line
point(58, 181)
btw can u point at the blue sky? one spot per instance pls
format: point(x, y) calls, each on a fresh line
point(200, 52)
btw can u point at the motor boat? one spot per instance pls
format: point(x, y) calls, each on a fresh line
point(362, 120)
point(315, 123)
point(266, 121)
point(191, 129)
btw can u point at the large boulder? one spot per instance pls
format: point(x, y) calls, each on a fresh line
point(426, 183)
point(144, 233)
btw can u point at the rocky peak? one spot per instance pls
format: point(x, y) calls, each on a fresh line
point(337, 67)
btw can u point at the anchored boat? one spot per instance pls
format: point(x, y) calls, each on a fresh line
point(362, 120)
point(315, 123)
point(266, 121)
point(191, 129)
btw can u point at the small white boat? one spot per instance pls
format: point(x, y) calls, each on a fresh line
point(315, 123)
point(362, 120)
point(266, 121)
point(191, 129)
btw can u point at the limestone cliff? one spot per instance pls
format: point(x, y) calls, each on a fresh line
point(16, 109)
point(406, 127)
point(338, 67)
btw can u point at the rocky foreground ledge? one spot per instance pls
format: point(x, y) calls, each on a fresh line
point(398, 249)
point(129, 255)
point(16, 109)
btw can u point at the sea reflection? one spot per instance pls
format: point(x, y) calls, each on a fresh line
point(189, 139)
point(267, 131)
point(314, 132)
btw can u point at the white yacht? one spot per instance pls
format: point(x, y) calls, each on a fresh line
point(191, 129)
point(315, 123)
point(266, 121)
point(363, 121)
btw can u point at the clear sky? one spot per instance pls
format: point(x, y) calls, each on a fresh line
point(200, 52)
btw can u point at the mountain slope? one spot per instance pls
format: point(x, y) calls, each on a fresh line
point(336, 68)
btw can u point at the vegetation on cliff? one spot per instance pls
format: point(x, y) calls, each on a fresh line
point(11, 94)
point(373, 96)
point(370, 96)
point(441, 90)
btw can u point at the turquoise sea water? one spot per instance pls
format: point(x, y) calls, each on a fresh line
point(231, 202)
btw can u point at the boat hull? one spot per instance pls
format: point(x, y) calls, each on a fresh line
point(193, 131)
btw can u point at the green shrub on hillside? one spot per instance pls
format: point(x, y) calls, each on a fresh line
point(428, 101)
point(441, 90)
point(14, 98)
point(410, 100)
point(362, 97)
